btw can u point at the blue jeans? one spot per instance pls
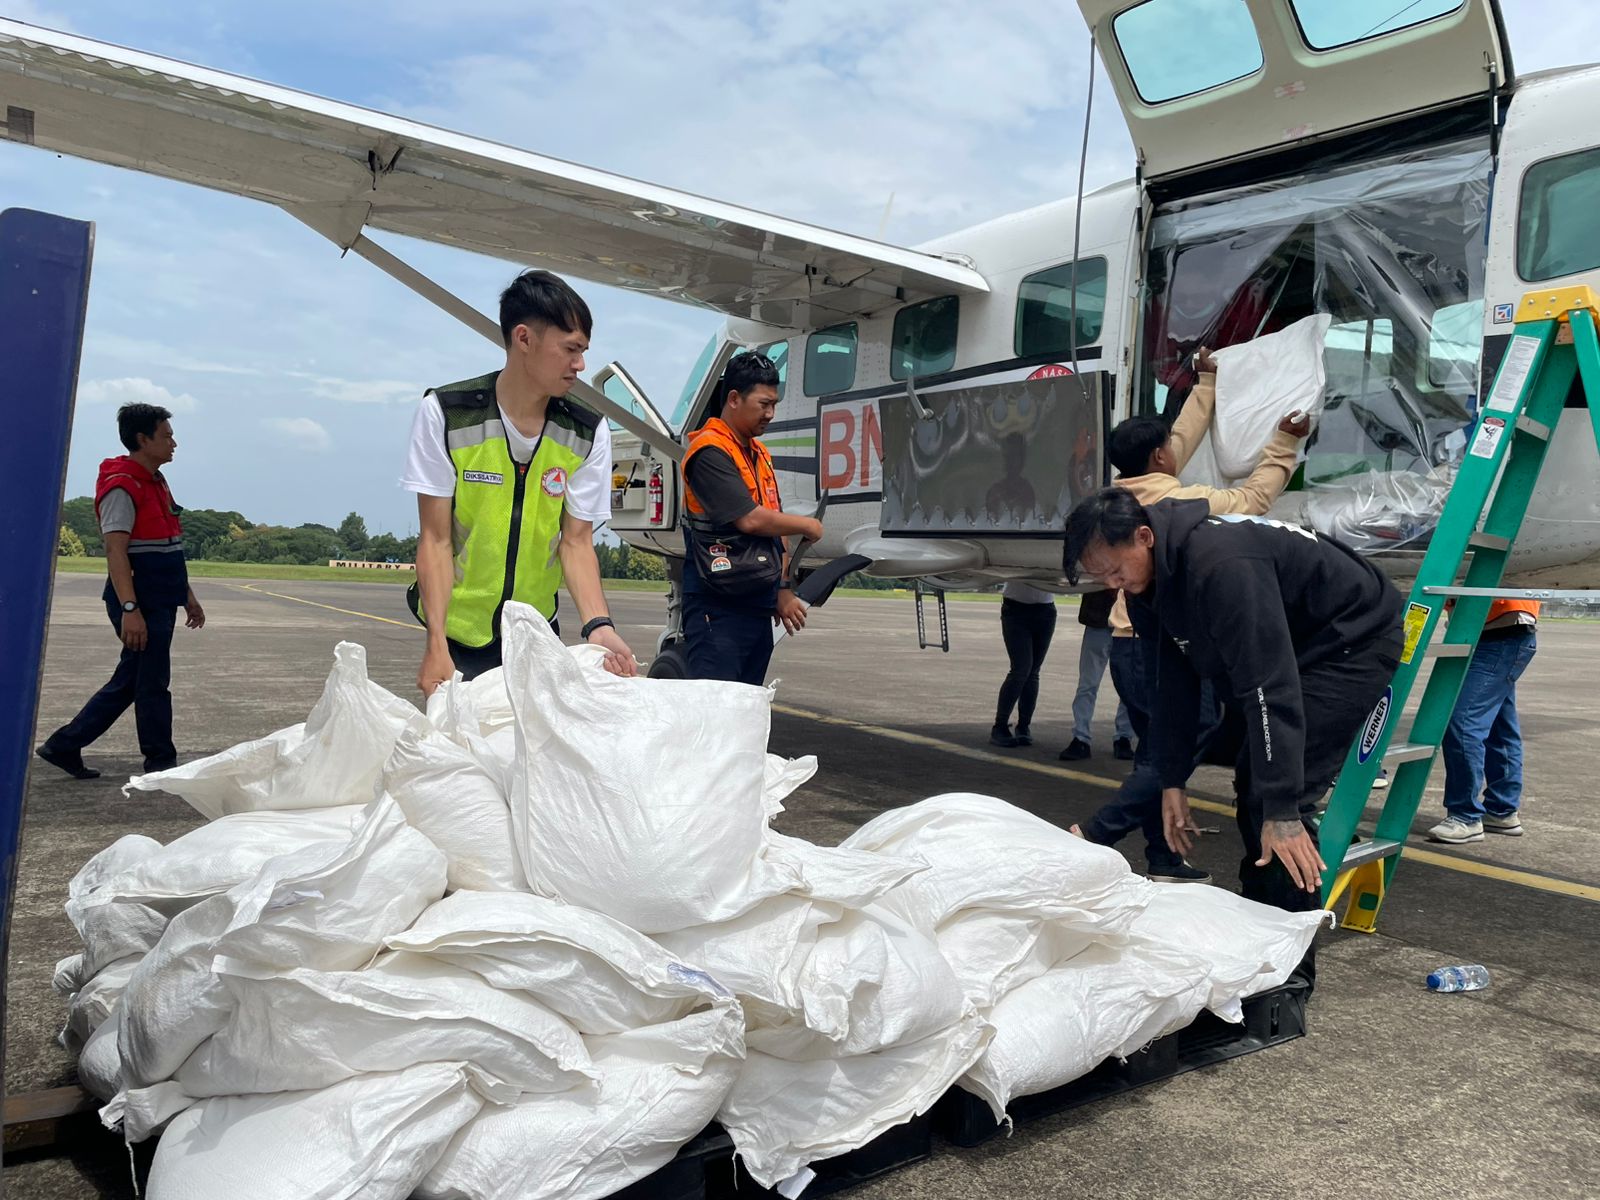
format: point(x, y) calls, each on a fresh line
point(1482, 745)
point(723, 642)
point(1138, 802)
point(1092, 658)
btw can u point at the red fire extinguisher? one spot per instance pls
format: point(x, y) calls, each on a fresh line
point(656, 494)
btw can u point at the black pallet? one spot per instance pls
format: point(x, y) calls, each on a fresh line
point(963, 1119)
point(705, 1169)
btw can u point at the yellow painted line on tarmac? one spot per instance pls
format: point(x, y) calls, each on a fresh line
point(1471, 866)
point(349, 612)
point(1466, 866)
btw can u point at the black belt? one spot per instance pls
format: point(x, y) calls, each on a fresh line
point(1506, 631)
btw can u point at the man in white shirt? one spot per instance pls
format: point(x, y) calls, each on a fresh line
point(511, 479)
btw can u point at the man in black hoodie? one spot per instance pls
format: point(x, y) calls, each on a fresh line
point(1300, 635)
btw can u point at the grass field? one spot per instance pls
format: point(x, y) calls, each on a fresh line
point(230, 570)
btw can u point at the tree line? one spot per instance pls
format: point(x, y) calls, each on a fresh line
point(216, 536)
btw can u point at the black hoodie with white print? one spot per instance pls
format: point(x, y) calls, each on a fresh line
point(1249, 603)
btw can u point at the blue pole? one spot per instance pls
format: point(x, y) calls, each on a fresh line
point(44, 290)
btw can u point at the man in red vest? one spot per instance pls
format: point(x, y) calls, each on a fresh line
point(736, 584)
point(147, 582)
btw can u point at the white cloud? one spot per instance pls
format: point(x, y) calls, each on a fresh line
point(300, 432)
point(134, 391)
point(362, 391)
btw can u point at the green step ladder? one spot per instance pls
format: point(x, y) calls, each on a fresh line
point(1555, 341)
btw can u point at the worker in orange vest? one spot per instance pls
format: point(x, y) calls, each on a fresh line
point(736, 585)
point(1482, 745)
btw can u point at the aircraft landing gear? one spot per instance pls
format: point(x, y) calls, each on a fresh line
point(672, 660)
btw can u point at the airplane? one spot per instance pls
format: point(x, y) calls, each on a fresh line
point(1377, 163)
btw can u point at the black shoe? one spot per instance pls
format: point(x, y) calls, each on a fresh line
point(1000, 736)
point(151, 766)
point(1075, 752)
point(69, 761)
point(1024, 736)
point(1181, 872)
point(1122, 748)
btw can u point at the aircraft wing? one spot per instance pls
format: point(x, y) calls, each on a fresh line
point(344, 169)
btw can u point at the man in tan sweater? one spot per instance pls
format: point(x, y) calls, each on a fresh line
point(1147, 456)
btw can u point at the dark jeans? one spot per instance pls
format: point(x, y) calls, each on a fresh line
point(473, 661)
point(1138, 801)
point(1026, 630)
point(142, 679)
point(723, 642)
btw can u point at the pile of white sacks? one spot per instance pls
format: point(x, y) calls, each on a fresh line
point(530, 943)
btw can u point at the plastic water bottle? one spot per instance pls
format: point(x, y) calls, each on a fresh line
point(1466, 978)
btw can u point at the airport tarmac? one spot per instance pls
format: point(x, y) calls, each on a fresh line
point(1395, 1091)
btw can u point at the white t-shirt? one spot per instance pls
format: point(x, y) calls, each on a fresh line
point(430, 472)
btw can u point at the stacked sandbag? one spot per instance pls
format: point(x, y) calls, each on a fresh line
point(665, 1042)
point(335, 758)
point(530, 943)
point(638, 798)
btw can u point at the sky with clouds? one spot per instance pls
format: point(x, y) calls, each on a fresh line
point(292, 374)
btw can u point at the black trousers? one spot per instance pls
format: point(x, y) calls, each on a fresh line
point(725, 642)
point(143, 679)
point(1026, 630)
point(473, 661)
point(1337, 696)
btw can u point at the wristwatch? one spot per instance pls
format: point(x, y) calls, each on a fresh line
point(130, 606)
point(596, 623)
point(786, 585)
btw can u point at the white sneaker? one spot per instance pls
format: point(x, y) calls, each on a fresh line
point(1381, 782)
point(1456, 829)
point(1509, 825)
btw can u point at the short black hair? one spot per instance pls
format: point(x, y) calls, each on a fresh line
point(1112, 515)
point(134, 419)
point(539, 298)
point(1133, 442)
point(747, 370)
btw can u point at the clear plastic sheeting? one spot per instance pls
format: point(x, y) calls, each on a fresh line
point(1392, 251)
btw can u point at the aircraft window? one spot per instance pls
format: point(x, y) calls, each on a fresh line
point(691, 387)
point(1159, 41)
point(1044, 306)
point(1453, 344)
point(831, 360)
point(620, 396)
point(778, 352)
point(924, 338)
point(1558, 227)
point(1329, 24)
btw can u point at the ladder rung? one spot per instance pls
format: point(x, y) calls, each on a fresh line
point(1488, 541)
point(1404, 752)
point(1580, 595)
point(1449, 650)
point(1365, 852)
point(1533, 428)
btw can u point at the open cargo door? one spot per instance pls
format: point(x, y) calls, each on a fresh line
point(1205, 82)
point(644, 476)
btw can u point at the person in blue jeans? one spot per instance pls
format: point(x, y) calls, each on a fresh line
point(1094, 614)
point(1482, 745)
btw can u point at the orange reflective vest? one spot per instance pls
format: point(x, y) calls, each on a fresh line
point(1501, 607)
point(758, 476)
